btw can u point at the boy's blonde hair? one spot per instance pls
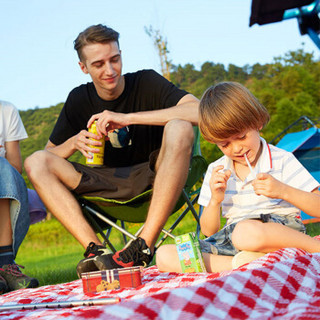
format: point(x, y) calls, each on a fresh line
point(228, 109)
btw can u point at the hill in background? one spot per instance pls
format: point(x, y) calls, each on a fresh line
point(39, 124)
point(288, 88)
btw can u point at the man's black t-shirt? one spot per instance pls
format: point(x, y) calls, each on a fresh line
point(144, 90)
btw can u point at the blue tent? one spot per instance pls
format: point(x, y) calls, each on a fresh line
point(305, 145)
point(305, 11)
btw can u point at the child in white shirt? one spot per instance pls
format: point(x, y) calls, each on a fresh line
point(259, 188)
point(14, 207)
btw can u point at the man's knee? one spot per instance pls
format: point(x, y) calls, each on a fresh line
point(179, 133)
point(36, 163)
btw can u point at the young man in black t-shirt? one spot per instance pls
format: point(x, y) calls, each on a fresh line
point(147, 122)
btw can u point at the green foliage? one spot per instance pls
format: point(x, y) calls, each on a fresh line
point(39, 124)
point(288, 87)
point(313, 229)
point(258, 71)
point(51, 254)
point(210, 151)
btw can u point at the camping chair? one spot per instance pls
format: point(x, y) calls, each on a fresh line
point(305, 145)
point(103, 214)
point(306, 12)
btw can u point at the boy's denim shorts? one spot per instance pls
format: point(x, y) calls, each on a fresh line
point(220, 243)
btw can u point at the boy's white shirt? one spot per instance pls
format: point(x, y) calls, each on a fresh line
point(11, 126)
point(241, 202)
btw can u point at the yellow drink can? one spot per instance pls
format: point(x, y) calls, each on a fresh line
point(97, 158)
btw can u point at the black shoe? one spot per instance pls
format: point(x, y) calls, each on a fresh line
point(3, 285)
point(87, 264)
point(136, 254)
point(16, 279)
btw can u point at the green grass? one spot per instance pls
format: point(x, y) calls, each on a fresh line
point(313, 229)
point(51, 254)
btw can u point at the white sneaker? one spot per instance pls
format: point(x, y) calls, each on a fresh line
point(244, 257)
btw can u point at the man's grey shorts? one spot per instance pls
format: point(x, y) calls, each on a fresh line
point(220, 243)
point(121, 184)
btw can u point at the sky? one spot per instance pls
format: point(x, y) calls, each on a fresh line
point(39, 67)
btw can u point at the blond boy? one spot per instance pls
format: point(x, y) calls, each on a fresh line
point(259, 188)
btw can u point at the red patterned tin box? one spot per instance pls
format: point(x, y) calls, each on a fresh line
point(98, 281)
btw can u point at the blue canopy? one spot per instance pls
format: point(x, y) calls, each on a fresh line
point(305, 145)
point(295, 140)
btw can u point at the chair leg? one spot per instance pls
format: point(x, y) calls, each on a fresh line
point(100, 231)
point(190, 205)
point(198, 225)
point(125, 233)
point(114, 225)
point(107, 241)
point(189, 208)
point(124, 236)
point(137, 234)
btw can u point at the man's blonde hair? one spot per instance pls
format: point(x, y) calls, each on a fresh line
point(228, 109)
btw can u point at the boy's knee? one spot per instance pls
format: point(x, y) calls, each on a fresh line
point(248, 235)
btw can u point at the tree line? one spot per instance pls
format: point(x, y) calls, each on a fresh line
point(289, 87)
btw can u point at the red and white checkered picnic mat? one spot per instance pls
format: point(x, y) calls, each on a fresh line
point(281, 285)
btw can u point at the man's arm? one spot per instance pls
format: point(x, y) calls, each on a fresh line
point(186, 109)
point(80, 142)
point(13, 154)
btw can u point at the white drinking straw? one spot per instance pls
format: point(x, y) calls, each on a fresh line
point(249, 165)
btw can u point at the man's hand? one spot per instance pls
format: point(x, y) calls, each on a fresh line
point(218, 183)
point(82, 142)
point(268, 186)
point(108, 121)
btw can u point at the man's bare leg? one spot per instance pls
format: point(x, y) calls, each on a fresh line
point(53, 178)
point(171, 174)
